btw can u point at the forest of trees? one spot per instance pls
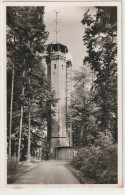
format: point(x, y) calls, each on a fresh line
point(28, 90)
point(94, 102)
point(94, 96)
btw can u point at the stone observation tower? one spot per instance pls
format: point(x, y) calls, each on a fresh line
point(59, 126)
point(59, 72)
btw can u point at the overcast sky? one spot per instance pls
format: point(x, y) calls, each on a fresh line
point(71, 30)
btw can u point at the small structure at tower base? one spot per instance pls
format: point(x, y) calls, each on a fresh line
point(65, 152)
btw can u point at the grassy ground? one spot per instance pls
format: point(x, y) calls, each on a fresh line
point(14, 169)
point(82, 179)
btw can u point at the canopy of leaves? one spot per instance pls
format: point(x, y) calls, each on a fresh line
point(82, 106)
point(101, 41)
point(26, 37)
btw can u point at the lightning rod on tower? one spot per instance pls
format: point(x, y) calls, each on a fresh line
point(57, 21)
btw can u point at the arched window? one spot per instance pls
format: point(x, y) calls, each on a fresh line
point(54, 66)
point(62, 67)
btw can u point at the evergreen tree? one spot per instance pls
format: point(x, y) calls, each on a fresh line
point(26, 38)
point(101, 41)
point(83, 120)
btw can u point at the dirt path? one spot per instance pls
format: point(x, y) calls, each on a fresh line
point(48, 172)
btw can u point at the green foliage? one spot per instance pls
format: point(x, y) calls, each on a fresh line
point(104, 139)
point(83, 119)
point(26, 37)
point(12, 165)
point(101, 41)
point(97, 165)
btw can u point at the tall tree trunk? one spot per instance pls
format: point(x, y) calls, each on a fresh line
point(11, 110)
point(21, 120)
point(28, 149)
point(70, 143)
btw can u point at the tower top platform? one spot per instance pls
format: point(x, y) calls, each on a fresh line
point(57, 47)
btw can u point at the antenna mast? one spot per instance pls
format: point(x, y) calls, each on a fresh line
point(57, 21)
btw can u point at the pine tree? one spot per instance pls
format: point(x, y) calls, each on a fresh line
point(101, 41)
point(83, 121)
point(31, 91)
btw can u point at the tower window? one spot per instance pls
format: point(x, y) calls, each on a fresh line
point(62, 67)
point(54, 66)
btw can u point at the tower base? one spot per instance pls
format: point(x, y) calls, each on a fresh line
point(65, 152)
point(57, 142)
